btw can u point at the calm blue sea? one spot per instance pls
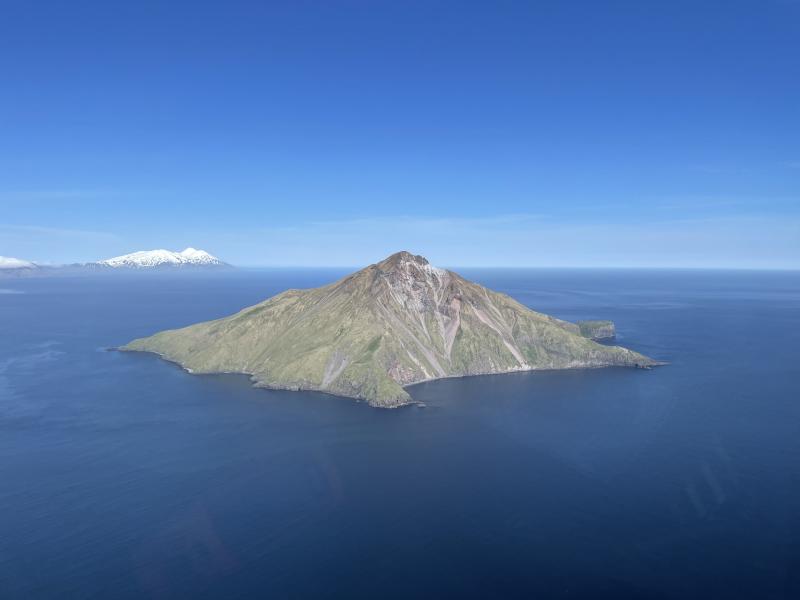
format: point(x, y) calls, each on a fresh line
point(122, 476)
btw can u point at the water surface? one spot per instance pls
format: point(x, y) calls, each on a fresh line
point(123, 476)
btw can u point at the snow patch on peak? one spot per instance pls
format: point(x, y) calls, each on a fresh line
point(404, 261)
point(414, 283)
point(426, 268)
point(197, 255)
point(431, 270)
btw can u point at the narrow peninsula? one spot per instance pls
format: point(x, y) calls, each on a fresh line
point(390, 325)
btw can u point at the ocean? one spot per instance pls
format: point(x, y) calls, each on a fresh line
point(123, 476)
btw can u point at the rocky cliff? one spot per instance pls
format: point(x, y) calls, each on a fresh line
point(597, 330)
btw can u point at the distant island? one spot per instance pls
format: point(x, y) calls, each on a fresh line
point(143, 260)
point(16, 267)
point(390, 325)
point(159, 259)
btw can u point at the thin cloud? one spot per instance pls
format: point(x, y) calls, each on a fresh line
point(747, 241)
point(720, 170)
point(58, 232)
point(54, 245)
point(359, 223)
point(55, 194)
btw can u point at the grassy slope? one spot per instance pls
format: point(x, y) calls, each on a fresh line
point(354, 339)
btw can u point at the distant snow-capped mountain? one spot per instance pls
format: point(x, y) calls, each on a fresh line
point(17, 267)
point(6, 262)
point(148, 259)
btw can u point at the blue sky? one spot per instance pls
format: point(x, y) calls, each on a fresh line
point(558, 133)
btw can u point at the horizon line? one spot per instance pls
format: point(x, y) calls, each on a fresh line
point(553, 267)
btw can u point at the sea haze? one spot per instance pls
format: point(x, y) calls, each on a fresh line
point(123, 476)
